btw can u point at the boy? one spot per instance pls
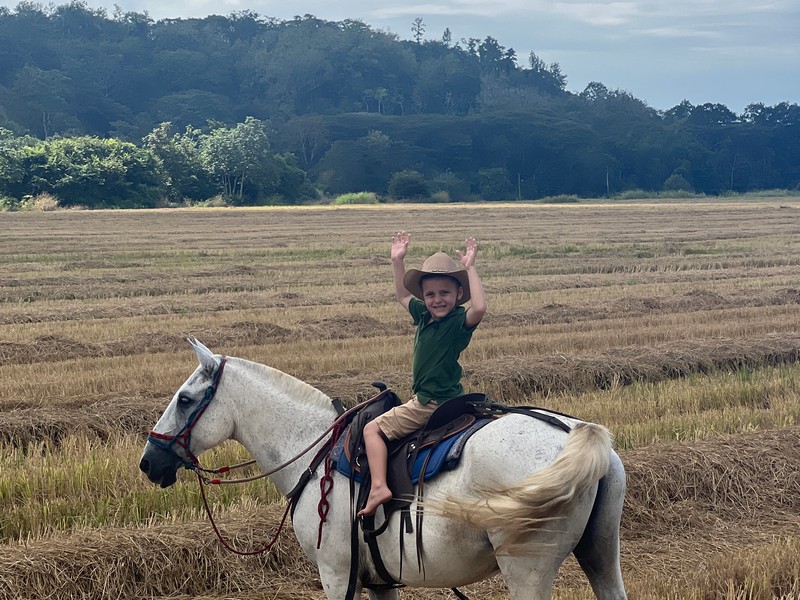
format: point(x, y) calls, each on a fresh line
point(433, 295)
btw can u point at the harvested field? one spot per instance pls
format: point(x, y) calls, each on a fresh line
point(675, 324)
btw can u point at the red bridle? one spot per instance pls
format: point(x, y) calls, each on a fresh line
point(184, 437)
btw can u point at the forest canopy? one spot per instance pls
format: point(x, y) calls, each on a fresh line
point(122, 110)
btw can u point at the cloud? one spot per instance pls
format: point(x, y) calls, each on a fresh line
point(599, 13)
point(679, 32)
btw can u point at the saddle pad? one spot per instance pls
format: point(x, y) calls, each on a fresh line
point(444, 457)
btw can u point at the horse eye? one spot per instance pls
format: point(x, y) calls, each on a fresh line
point(184, 400)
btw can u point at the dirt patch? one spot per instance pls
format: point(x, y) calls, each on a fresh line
point(785, 296)
point(54, 348)
point(548, 314)
point(342, 327)
point(241, 333)
point(692, 301)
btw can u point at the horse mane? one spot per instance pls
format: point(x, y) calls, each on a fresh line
point(298, 389)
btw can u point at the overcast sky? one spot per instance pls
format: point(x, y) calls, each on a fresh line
point(733, 52)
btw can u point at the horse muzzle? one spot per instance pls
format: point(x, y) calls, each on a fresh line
point(160, 466)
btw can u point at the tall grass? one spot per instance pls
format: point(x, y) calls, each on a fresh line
point(88, 482)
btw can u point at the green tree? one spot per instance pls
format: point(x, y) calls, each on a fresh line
point(494, 184)
point(241, 157)
point(447, 37)
point(181, 163)
point(44, 106)
point(408, 185)
point(418, 30)
point(12, 171)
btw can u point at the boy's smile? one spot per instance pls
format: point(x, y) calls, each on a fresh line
point(440, 295)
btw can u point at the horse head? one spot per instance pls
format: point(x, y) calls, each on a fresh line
point(180, 435)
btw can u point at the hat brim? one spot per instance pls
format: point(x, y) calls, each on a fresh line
point(413, 282)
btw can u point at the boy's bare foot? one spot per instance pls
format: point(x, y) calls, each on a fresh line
point(377, 496)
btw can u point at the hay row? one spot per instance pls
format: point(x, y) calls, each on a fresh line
point(512, 380)
point(157, 561)
point(21, 428)
point(50, 348)
point(747, 478)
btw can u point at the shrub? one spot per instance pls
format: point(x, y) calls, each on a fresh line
point(408, 185)
point(440, 197)
point(217, 201)
point(677, 182)
point(7, 203)
point(357, 198)
point(456, 188)
point(561, 199)
point(494, 184)
point(635, 194)
point(43, 202)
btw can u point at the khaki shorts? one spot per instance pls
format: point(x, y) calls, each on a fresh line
point(406, 418)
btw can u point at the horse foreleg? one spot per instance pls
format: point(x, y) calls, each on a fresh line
point(335, 582)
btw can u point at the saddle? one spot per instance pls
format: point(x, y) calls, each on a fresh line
point(411, 460)
point(416, 457)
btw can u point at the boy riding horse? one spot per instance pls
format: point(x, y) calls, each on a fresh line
point(433, 295)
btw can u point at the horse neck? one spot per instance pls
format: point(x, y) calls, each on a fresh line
point(278, 418)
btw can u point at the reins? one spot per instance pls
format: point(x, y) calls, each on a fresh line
point(192, 463)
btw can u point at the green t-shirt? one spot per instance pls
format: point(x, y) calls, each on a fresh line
point(437, 346)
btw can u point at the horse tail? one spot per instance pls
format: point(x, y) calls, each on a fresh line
point(525, 507)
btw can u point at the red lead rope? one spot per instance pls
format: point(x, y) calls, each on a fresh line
point(326, 483)
point(226, 544)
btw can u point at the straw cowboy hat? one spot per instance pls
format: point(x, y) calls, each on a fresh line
point(439, 264)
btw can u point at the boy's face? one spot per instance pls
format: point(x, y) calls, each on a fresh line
point(440, 295)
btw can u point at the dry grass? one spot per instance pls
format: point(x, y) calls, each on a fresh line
point(674, 324)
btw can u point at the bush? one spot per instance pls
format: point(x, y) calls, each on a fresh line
point(43, 202)
point(440, 197)
point(561, 199)
point(456, 188)
point(7, 203)
point(217, 201)
point(635, 194)
point(408, 185)
point(357, 198)
point(494, 184)
point(677, 182)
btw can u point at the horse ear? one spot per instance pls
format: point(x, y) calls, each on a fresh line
point(208, 361)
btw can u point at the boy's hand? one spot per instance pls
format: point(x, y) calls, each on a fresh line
point(468, 259)
point(400, 243)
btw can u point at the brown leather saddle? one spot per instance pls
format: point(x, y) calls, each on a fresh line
point(448, 420)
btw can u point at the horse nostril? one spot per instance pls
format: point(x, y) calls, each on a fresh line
point(144, 465)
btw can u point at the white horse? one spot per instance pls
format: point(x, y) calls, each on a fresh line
point(556, 493)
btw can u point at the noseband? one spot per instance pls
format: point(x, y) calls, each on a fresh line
point(184, 437)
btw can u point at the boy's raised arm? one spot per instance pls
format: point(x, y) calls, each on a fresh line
point(478, 302)
point(400, 243)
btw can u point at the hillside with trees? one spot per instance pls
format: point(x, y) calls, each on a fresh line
point(122, 110)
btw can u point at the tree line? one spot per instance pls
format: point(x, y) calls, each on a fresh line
point(122, 110)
